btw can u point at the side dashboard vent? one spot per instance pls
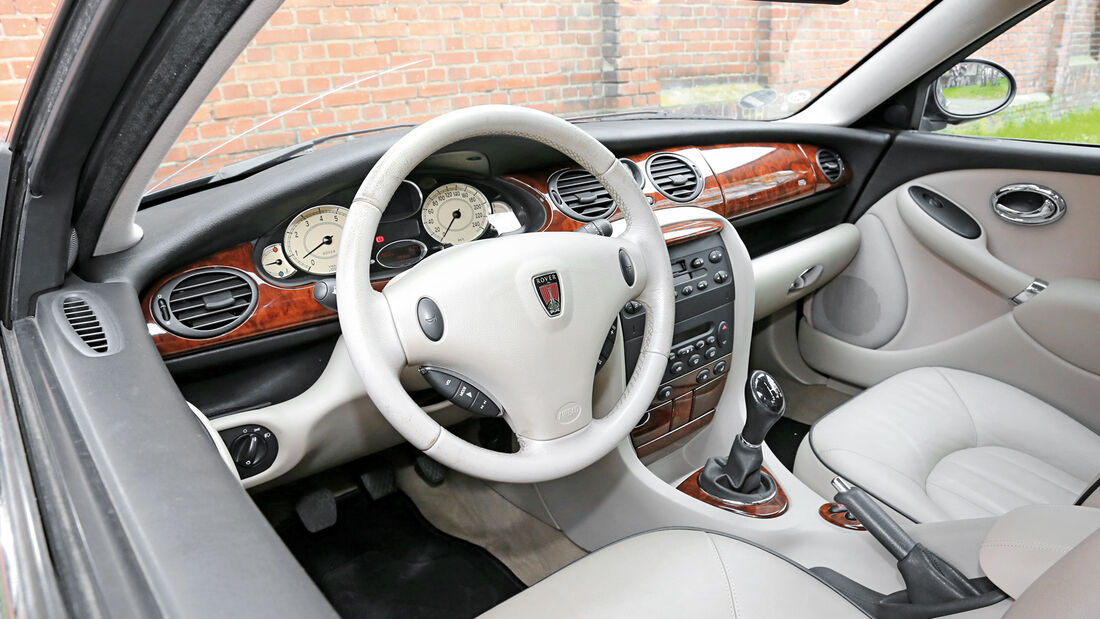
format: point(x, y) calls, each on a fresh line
point(832, 166)
point(675, 177)
point(205, 303)
point(85, 323)
point(580, 196)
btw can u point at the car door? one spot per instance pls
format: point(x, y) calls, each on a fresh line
point(979, 248)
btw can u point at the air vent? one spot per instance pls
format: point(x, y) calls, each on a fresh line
point(675, 177)
point(580, 196)
point(85, 323)
point(830, 163)
point(205, 303)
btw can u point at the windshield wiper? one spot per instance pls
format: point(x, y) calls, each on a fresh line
point(255, 164)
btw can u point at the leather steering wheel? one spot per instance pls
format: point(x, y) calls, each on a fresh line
point(498, 333)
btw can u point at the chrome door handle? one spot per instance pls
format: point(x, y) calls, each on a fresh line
point(1028, 204)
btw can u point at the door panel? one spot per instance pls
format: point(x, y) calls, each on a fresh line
point(957, 291)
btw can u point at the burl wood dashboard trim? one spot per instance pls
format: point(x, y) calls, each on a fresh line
point(277, 309)
point(839, 518)
point(772, 508)
point(742, 179)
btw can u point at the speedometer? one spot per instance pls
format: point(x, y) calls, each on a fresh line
point(312, 239)
point(455, 213)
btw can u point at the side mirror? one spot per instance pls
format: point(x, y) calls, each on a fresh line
point(970, 90)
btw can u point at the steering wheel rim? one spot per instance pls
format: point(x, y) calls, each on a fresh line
point(382, 332)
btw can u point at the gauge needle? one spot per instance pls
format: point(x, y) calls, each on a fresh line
point(454, 217)
point(277, 262)
point(325, 241)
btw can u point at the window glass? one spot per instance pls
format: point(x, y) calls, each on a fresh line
point(1055, 57)
point(404, 62)
point(23, 24)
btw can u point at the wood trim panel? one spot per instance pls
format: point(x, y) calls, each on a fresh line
point(685, 231)
point(773, 508)
point(743, 178)
point(665, 440)
point(838, 518)
point(277, 309)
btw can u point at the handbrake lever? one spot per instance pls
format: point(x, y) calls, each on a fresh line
point(896, 541)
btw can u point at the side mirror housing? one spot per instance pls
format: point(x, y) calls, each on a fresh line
point(970, 90)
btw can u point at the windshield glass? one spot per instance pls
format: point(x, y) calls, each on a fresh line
point(322, 67)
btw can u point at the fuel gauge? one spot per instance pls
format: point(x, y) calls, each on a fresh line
point(275, 263)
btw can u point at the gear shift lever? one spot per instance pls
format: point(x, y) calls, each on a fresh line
point(737, 478)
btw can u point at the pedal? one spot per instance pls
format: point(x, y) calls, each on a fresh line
point(378, 482)
point(317, 510)
point(432, 472)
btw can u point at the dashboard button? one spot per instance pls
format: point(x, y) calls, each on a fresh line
point(720, 367)
point(700, 344)
point(711, 340)
point(702, 377)
point(678, 367)
point(664, 393)
point(720, 277)
point(685, 351)
point(711, 353)
point(702, 285)
point(697, 263)
point(686, 290)
point(715, 255)
point(695, 360)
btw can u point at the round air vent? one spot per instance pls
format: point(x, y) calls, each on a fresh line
point(581, 197)
point(674, 176)
point(635, 171)
point(832, 166)
point(205, 303)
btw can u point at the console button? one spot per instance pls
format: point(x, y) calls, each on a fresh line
point(711, 340)
point(697, 263)
point(685, 351)
point(465, 396)
point(715, 255)
point(720, 367)
point(695, 360)
point(442, 382)
point(723, 329)
point(686, 290)
point(702, 377)
point(711, 353)
point(664, 393)
point(485, 406)
point(720, 277)
point(700, 344)
point(701, 285)
point(678, 367)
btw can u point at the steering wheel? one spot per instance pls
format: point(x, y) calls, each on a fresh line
point(486, 311)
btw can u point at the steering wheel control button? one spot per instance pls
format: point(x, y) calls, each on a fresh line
point(445, 384)
point(720, 367)
point(431, 319)
point(484, 406)
point(633, 307)
point(466, 396)
point(664, 393)
point(627, 266)
point(715, 256)
point(702, 377)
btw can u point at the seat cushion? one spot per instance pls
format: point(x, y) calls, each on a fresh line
point(679, 573)
point(942, 444)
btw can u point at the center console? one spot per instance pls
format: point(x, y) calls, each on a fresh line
point(702, 343)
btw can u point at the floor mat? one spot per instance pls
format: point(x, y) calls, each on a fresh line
point(784, 438)
point(383, 559)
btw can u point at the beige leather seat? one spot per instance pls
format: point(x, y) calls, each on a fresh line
point(942, 444)
point(691, 573)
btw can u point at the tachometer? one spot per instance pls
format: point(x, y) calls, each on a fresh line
point(455, 213)
point(312, 239)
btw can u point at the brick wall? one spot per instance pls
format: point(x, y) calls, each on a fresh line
point(567, 57)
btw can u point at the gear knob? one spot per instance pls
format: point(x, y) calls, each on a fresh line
point(765, 405)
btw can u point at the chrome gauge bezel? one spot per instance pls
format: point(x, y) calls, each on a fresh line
point(330, 255)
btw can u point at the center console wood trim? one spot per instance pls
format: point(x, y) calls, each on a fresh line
point(772, 508)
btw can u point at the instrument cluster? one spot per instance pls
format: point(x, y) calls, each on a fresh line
point(427, 214)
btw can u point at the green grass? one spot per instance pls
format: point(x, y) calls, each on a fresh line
point(1080, 127)
point(978, 91)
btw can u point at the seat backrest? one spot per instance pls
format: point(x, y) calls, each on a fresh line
point(1066, 590)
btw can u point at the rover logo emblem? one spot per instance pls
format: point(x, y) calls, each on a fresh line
point(549, 291)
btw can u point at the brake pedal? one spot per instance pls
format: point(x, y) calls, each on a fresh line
point(317, 510)
point(432, 472)
point(378, 482)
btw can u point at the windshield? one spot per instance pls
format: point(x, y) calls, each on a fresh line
point(325, 67)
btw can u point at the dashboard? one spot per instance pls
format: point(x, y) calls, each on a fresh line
point(269, 285)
